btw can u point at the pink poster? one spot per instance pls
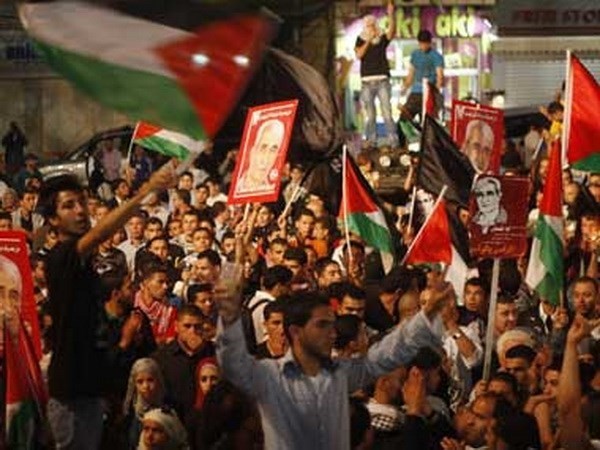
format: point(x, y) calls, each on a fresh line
point(479, 133)
point(263, 151)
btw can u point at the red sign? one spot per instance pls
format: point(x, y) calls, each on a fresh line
point(263, 150)
point(498, 225)
point(479, 132)
point(16, 284)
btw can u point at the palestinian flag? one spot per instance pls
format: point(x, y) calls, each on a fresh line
point(581, 132)
point(26, 395)
point(187, 82)
point(432, 243)
point(545, 272)
point(440, 240)
point(364, 217)
point(169, 143)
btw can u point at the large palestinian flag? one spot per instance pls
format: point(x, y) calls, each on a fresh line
point(187, 82)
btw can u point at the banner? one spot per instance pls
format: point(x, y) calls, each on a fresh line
point(498, 209)
point(17, 284)
point(479, 132)
point(263, 150)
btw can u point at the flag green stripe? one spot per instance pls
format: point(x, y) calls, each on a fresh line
point(551, 257)
point(140, 95)
point(22, 426)
point(373, 234)
point(164, 146)
point(589, 164)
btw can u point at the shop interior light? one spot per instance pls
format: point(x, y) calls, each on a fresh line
point(385, 161)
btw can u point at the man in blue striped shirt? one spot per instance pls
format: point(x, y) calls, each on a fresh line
point(303, 396)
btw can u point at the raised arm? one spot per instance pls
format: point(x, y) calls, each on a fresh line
point(391, 31)
point(572, 434)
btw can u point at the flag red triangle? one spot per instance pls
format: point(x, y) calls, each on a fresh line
point(433, 243)
point(214, 64)
point(551, 204)
point(358, 198)
point(582, 133)
point(144, 129)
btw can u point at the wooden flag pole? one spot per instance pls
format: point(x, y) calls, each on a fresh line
point(345, 202)
point(489, 335)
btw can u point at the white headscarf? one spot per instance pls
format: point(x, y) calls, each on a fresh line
point(171, 425)
point(140, 406)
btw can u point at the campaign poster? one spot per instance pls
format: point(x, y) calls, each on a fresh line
point(16, 285)
point(498, 210)
point(263, 151)
point(479, 133)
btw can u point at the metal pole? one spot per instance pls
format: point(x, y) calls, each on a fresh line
point(489, 335)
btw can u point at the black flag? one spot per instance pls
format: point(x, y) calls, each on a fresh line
point(442, 163)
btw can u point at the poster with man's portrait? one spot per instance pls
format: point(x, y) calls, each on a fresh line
point(479, 133)
point(263, 151)
point(16, 286)
point(498, 211)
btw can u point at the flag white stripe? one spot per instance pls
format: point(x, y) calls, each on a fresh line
point(100, 33)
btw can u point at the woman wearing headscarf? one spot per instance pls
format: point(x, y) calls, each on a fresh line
point(162, 430)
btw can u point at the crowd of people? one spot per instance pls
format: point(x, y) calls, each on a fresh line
point(172, 320)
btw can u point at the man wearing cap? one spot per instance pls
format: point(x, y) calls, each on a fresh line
point(370, 48)
point(425, 62)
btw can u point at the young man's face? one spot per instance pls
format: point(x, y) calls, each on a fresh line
point(202, 240)
point(304, 225)
point(506, 317)
point(474, 296)
point(152, 230)
point(318, 335)
point(135, 228)
point(5, 224)
point(275, 253)
point(160, 248)
point(519, 368)
point(584, 298)
point(28, 202)
point(274, 326)
point(71, 215)
point(354, 306)
point(204, 301)
point(205, 271)
point(228, 246)
point(331, 274)
point(156, 286)
point(189, 224)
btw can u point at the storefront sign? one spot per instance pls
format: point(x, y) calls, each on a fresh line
point(552, 17)
point(450, 22)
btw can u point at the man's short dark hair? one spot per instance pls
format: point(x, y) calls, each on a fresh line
point(157, 238)
point(189, 310)
point(304, 212)
point(347, 327)
point(353, 244)
point(51, 189)
point(228, 235)
point(5, 215)
point(505, 299)
point(322, 263)
point(299, 307)
point(218, 208)
point(351, 290)
point(109, 282)
point(151, 266)
point(509, 379)
point(184, 195)
point(212, 256)
point(426, 359)
point(275, 307)
point(476, 282)
point(523, 352)
point(154, 221)
point(276, 275)
point(424, 36)
point(585, 279)
point(195, 289)
point(116, 183)
point(27, 190)
point(296, 254)
point(278, 241)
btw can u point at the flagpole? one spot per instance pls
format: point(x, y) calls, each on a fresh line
point(426, 93)
point(289, 204)
point(435, 205)
point(345, 202)
point(568, 101)
point(489, 335)
point(412, 206)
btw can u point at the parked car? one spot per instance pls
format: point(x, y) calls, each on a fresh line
point(82, 162)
